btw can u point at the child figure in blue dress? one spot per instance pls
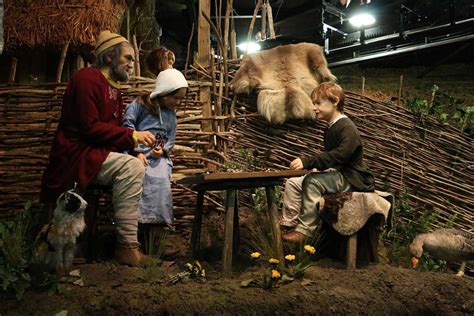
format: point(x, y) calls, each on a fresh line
point(156, 113)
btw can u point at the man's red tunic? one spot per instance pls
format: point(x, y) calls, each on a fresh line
point(89, 129)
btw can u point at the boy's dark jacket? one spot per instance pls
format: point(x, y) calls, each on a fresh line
point(344, 152)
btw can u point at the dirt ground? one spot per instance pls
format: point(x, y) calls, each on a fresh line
point(327, 288)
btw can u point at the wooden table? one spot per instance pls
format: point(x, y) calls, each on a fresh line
point(232, 182)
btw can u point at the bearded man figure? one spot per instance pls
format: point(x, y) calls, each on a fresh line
point(87, 144)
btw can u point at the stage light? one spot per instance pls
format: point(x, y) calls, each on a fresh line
point(362, 19)
point(249, 47)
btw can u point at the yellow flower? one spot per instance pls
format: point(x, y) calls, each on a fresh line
point(276, 274)
point(189, 266)
point(290, 257)
point(274, 261)
point(255, 255)
point(309, 249)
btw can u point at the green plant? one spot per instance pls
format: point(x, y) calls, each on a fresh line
point(15, 254)
point(447, 109)
point(409, 222)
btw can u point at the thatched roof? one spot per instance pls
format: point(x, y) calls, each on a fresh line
point(51, 23)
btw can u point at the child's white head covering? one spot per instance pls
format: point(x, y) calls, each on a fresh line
point(168, 80)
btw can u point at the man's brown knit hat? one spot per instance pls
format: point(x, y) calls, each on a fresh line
point(106, 40)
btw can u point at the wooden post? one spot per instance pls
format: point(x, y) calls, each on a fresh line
point(136, 64)
point(351, 253)
point(228, 233)
point(363, 86)
point(400, 89)
point(196, 233)
point(228, 10)
point(204, 35)
point(273, 216)
point(188, 51)
point(233, 39)
point(62, 59)
point(264, 21)
point(13, 65)
point(271, 29)
point(252, 22)
point(79, 62)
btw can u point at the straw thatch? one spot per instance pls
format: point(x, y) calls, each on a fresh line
point(52, 23)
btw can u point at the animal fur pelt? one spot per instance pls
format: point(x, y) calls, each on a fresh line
point(283, 77)
point(55, 244)
point(348, 212)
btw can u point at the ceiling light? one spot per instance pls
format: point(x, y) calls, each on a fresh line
point(363, 19)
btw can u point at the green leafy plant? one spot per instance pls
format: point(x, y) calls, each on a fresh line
point(409, 222)
point(15, 254)
point(447, 109)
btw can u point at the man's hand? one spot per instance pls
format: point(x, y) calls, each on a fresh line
point(142, 158)
point(157, 152)
point(296, 164)
point(146, 138)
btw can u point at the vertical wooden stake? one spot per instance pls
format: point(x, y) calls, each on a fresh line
point(233, 39)
point(13, 65)
point(228, 233)
point(271, 29)
point(363, 86)
point(264, 21)
point(188, 51)
point(228, 10)
point(204, 35)
point(400, 89)
point(252, 22)
point(136, 64)
point(62, 59)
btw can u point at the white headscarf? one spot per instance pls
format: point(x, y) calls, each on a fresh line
point(168, 80)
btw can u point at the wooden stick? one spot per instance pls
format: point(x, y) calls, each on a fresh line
point(13, 65)
point(363, 86)
point(188, 50)
point(62, 59)
point(400, 89)
point(252, 22)
point(228, 11)
point(264, 20)
point(136, 64)
point(271, 29)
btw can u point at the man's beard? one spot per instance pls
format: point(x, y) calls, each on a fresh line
point(117, 73)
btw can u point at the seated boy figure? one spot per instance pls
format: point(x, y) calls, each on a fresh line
point(339, 168)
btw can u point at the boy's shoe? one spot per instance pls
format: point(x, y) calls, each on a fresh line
point(295, 237)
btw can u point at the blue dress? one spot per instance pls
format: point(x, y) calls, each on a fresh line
point(156, 203)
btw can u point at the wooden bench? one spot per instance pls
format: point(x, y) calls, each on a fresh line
point(232, 183)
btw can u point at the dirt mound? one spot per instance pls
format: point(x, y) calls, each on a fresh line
point(326, 289)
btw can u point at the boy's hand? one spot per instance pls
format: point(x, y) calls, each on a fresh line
point(296, 164)
point(157, 152)
point(146, 138)
point(142, 158)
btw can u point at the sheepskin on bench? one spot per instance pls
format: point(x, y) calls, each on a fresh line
point(283, 77)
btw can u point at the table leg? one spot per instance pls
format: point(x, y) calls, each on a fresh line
point(273, 215)
point(196, 234)
point(236, 239)
point(228, 233)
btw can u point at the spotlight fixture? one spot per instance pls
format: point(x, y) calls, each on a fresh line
point(249, 47)
point(362, 19)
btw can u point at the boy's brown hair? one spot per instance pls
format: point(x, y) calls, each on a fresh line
point(330, 91)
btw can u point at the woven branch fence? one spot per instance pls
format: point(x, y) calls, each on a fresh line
point(28, 119)
point(433, 162)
